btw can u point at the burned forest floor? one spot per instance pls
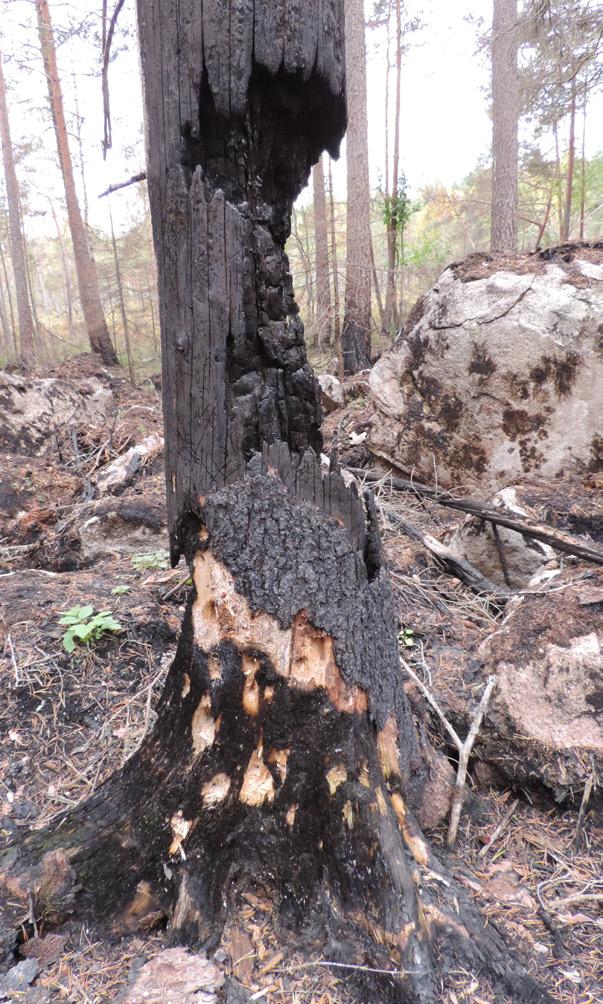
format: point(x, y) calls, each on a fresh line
point(83, 531)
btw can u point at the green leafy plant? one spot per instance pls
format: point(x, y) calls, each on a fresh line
point(151, 561)
point(84, 626)
point(120, 590)
point(407, 637)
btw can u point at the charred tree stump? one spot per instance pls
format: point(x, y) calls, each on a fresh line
point(284, 759)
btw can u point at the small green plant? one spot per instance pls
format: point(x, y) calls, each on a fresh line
point(120, 590)
point(85, 626)
point(151, 561)
point(407, 637)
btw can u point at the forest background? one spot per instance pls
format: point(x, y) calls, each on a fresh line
point(435, 140)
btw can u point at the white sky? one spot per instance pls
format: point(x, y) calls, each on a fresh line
point(445, 123)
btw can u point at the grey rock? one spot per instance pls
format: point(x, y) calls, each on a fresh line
point(497, 378)
point(19, 977)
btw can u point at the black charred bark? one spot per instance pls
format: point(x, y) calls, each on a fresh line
point(284, 759)
point(242, 98)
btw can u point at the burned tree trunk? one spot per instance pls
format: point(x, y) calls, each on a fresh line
point(284, 761)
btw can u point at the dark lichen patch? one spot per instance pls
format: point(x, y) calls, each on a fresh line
point(469, 456)
point(596, 463)
point(560, 372)
point(450, 411)
point(481, 363)
point(519, 388)
point(531, 458)
point(430, 388)
point(416, 315)
point(518, 422)
point(418, 350)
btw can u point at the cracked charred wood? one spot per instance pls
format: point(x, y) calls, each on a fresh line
point(283, 760)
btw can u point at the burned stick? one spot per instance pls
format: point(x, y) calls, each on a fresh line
point(557, 539)
point(459, 567)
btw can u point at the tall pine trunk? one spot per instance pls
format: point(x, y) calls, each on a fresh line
point(392, 319)
point(571, 166)
point(356, 336)
point(85, 264)
point(17, 241)
point(283, 762)
point(335, 262)
point(9, 298)
point(66, 273)
point(505, 122)
point(321, 242)
point(583, 164)
point(122, 302)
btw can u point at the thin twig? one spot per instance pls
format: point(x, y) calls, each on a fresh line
point(13, 657)
point(500, 828)
point(464, 748)
point(362, 969)
point(588, 787)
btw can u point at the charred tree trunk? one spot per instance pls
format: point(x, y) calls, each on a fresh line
point(283, 760)
point(85, 264)
point(17, 243)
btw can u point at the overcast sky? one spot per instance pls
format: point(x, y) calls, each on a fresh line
point(445, 123)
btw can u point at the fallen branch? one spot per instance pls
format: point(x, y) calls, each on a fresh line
point(107, 42)
point(557, 539)
point(459, 567)
point(142, 176)
point(463, 748)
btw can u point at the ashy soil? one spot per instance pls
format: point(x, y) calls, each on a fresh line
point(68, 720)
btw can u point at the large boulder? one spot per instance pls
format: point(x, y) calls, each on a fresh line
point(33, 411)
point(498, 374)
point(544, 722)
point(543, 725)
